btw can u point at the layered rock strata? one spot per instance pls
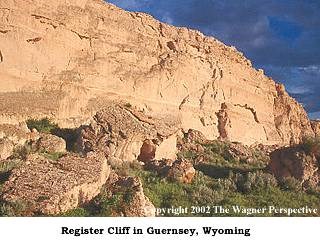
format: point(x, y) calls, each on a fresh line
point(71, 57)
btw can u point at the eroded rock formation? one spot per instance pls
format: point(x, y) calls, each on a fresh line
point(14, 136)
point(316, 127)
point(71, 57)
point(125, 134)
point(49, 187)
point(133, 203)
point(49, 143)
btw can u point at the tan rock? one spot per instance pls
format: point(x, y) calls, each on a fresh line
point(291, 121)
point(6, 149)
point(138, 205)
point(18, 134)
point(12, 137)
point(49, 143)
point(125, 135)
point(53, 187)
point(133, 203)
point(181, 171)
point(72, 57)
point(316, 127)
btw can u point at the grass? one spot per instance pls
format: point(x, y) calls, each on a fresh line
point(53, 156)
point(44, 125)
point(221, 180)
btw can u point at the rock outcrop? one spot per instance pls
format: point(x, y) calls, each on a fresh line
point(14, 136)
point(316, 127)
point(51, 187)
point(291, 121)
point(133, 203)
point(72, 57)
point(125, 134)
point(6, 148)
point(180, 170)
point(49, 143)
point(295, 162)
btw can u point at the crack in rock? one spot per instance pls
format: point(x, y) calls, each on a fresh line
point(183, 102)
point(251, 109)
point(34, 40)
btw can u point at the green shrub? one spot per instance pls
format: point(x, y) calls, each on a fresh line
point(53, 156)
point(44, 125)
point(14, 209)
point(254, 180)
point(311, 145)
point(7, 166)
point(77, 212)
point(291, 184)
point(21, 152)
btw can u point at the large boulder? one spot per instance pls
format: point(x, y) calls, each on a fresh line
point(49, 143)
point(295, 162)
point(49, 187)
point(125, 134)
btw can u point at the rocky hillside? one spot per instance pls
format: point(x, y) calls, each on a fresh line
point(67, 59)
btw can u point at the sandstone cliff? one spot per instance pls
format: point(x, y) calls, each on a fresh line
point(66, 59)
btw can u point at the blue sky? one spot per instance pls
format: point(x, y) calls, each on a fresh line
point(280, 36)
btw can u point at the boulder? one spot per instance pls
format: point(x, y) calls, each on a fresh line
point(14, 136)
point(295, 162)
point(18, 134)
point(138, 204)
point(125, 134)
point(181, 171)
point(49, 143)
point(6, 148)
point(52, 187)
point(192, 140)
point(133, 203)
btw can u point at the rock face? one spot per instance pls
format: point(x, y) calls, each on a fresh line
point(52, 187)
point(295, 162)
point(71, 57)
point(124, 134)
point(291, 120)
point(316, 127)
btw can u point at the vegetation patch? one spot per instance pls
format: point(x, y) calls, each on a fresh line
point(44, 125)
